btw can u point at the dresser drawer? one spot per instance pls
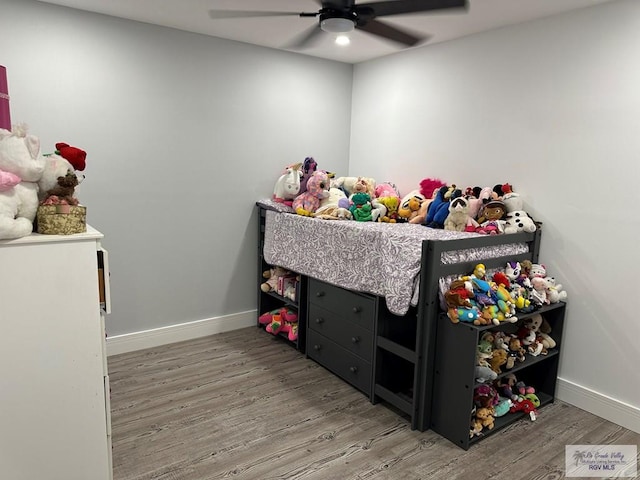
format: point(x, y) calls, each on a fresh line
point(355, 307)
point(346, 365)
point(350, 336)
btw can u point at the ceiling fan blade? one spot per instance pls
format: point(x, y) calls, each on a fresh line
point(336, 4)
point(306, 39)
point(398, 7)
point(391, 33)
point(220, 14)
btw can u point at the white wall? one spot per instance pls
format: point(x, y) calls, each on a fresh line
point(552, 107)
point(183, 133)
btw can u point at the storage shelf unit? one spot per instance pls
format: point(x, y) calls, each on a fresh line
point(268, 301)
point(454, 379)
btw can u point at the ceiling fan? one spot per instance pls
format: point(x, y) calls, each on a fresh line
point(343, 16)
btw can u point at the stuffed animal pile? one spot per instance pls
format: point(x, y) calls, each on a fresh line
point(281, 321)
point(497, 298)
point(498, 391)
point(436, 204)
point(26, 177)
point(484, 299)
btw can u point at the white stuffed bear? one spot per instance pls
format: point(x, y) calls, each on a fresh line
point(19, 155)
point(555, 293)
point(519, 221)
point(54, 166)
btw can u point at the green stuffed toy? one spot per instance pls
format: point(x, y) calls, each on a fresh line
point(361, 207)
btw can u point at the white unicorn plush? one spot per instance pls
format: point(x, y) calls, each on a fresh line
point(288, 185)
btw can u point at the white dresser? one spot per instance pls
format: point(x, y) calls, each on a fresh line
point(54, 385)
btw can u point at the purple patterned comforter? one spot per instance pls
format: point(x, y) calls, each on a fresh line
point(378, 258)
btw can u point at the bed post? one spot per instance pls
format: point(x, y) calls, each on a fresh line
point(534, 245)
point(427, 321)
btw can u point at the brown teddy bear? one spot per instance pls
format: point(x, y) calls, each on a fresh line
point(485, 416)
point(498, 358)
point(65, 189)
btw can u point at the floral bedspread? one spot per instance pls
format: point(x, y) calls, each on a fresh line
point(378, 258)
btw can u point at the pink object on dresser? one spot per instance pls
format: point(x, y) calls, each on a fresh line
point(5, 116)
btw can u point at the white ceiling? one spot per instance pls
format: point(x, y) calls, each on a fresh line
point(278, 32)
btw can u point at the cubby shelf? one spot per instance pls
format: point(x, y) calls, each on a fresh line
point(455, 373)
point(271, 300)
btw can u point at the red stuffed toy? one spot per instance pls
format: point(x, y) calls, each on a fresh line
point(75, 156)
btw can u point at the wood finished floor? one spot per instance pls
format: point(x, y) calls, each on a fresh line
point(244, 405)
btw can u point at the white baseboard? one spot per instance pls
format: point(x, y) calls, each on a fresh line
point(131, 342)
point(599, 404)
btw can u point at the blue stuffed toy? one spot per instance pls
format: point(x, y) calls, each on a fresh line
point(438, 209)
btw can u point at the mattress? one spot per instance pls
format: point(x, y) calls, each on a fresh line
point(382, 259)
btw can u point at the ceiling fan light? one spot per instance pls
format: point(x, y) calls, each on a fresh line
point(337, 25)
point(343, 40)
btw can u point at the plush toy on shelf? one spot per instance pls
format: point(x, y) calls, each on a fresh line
point(281, 320)
point(19, 157)
point(410, 207)
point(288, 184)
point(519, 221)
point(386, 189)
point(330, 208)
point(472, 194)
point(63, 192)
point(498, 359)
point(485, 416)
point(438, 209)
point(538, 325)
point(539, 291)
point(507, 386)
point(391, 205)
point(352, 185)
point(428, 189)
point(309, 166)
point(555, 292)
point(503, 407)
point(492, 218)
point(458, 218)
point(475, 428)
point(317, 189)
point(65, 160)
point(271, 276)
point(485, 395)
point(361, 208)
point(522, 404)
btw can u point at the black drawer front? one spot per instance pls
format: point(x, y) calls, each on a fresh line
point(348, 335)
point(346, 365)
point(352, 306)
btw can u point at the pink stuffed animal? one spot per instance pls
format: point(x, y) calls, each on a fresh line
point(317, 189)
point(386, 190)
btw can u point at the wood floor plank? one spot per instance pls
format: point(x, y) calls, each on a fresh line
point(245, 405)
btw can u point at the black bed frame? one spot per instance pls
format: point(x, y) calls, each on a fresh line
point(405, 346)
